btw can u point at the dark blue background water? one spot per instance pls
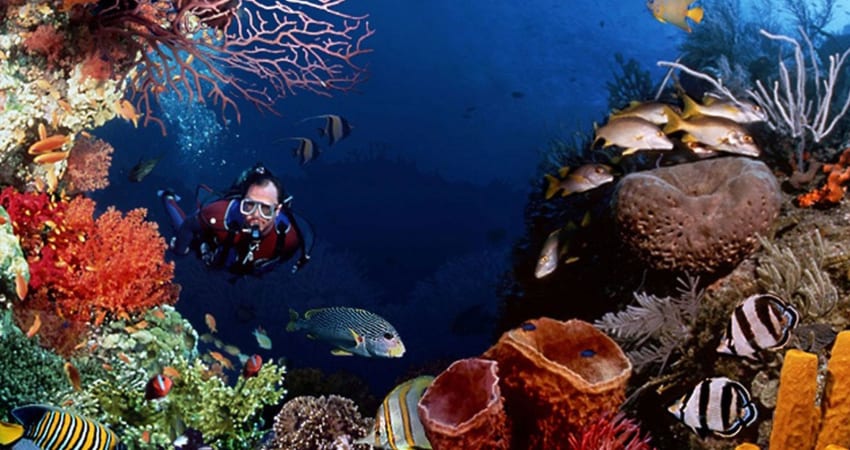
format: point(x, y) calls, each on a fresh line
point(415, 212)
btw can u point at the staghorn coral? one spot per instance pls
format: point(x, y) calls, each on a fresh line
point(688, 217)
point(796, 273)
point(655, 328)
point(319, 423)
point(88, 165)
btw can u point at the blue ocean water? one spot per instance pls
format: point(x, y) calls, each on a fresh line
point(415, 213)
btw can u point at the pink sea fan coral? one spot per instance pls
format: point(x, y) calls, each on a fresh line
point(88, 164)
point(610, 432)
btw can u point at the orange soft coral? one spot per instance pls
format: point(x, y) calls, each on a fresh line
point(124, 269)
point(832, 192)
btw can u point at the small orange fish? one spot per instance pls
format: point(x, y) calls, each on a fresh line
point(146, 437)
point(106, 366)
point(98, 317)
point(21, 286)
point(2, 220)
point(210, 320)
point(36, 324)
point(158, 314)
point(123, 357)
point(73, 376)
point(222, 359)
point(124, 109)
point(170, 372)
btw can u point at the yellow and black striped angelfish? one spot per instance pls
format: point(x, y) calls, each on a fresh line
point(48, 428)
point(397, 424)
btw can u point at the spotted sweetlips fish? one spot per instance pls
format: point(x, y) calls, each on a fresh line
point(352, 331)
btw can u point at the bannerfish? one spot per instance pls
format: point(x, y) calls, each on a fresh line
point(718, 405)
point(43, 426)
point(306, 151)
point(675, 12)
point(716, 132)
point(587, 177)
point(352, 331)
point(633, 134)
point(760, 322)
point(741, 112)
point(397, 424)
point(142, 169)
point(336, 127)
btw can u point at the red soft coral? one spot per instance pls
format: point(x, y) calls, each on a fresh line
point(125, 270)
point(88, 165)
point(47, 41)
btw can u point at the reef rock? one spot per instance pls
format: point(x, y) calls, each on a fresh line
point(699, 217)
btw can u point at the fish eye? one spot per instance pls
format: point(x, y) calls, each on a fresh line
point(659, 133)
point(748, 139)
point(388, 336)
point(544, 259)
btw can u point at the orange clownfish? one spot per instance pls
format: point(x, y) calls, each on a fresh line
point(252, 366)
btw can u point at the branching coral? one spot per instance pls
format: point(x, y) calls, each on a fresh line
point(311, 423)
point(832, 192)
point(655, 328)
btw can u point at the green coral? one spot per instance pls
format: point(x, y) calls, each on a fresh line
point(130, 352)
point(30, 373)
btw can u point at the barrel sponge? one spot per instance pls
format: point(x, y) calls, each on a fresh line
point(699, 217)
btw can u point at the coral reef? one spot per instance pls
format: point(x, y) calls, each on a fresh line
point(687, 217)
point(557, 377)
point(463, 408)
point(13, 264)
point(30, 373)
point(319, 423)
point(610, 432)
point(88, 165)
point(833, 190)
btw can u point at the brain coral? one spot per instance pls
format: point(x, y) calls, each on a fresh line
point(700, 217)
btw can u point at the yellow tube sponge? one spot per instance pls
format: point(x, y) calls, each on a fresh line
point(836, 400)
point(796, 419)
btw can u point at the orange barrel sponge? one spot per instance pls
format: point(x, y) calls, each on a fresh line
point(796, 418)
point(558, 377)
point(462, 408)
point(835, 425)
point(699, 217)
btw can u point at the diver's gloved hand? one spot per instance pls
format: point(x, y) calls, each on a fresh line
point(302, 261)
point(207, 254)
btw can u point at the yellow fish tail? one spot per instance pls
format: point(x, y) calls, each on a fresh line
point(10, 432)
point(554, 185)
point(696, 14)
point(674, 122)
point(691, 107)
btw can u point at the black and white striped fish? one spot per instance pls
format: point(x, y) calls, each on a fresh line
point(336, 127)
point(397, 424)
point(717, 405)
point(760, 322)
point(48, 428)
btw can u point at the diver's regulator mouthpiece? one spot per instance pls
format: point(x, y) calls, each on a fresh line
point(254, 232)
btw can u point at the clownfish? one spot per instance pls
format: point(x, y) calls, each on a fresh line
point(158, 387)
point(252, 366)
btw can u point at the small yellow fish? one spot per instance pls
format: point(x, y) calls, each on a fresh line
point(675, 12)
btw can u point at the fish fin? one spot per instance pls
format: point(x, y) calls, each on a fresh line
point(293, 320)
point(696, 14)
point(585, 219)
point(321, 132)
point(554, 185)
point(571, 260)
point(691, 108)
point(340, 352)
point(357, 338)
point(628, 151)
point(563, 171)
point(689, 138)
point(10, 432)
point(674, 122)
point(570, 226)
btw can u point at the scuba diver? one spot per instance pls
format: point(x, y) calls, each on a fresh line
point(246, 231)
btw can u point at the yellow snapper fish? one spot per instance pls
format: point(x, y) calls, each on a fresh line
point(43, 427)
point(585, 178)
point(741, 112)
point(397, 424)
point(633, 134)
point(649, 111)
point(675, 12)
point(717, 133)
point(557, 246)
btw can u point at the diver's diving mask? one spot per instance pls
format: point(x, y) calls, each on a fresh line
point(248, 206)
